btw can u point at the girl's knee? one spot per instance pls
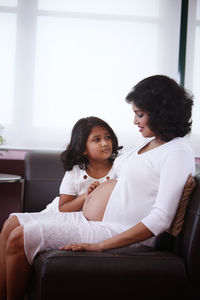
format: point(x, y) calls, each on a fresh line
point(15, 243)
point(10, 224)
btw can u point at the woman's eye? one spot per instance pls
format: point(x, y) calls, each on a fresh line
point(140, 115)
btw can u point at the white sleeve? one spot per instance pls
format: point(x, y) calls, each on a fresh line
point(68, 185)
point(174, 172)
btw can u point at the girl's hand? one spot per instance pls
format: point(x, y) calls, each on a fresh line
point(92, 187)
point(82, 247)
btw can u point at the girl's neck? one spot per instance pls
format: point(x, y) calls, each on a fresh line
point(98, 169)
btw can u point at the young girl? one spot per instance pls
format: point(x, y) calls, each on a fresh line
point(88, 161)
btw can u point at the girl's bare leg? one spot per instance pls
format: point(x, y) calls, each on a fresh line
point(18, 270)
point(8, 227)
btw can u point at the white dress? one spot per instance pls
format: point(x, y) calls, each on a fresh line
point(148, 189)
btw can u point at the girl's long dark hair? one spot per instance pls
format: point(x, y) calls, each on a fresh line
point(74, 153)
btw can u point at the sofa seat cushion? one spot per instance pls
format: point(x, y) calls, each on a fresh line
point(61, 270)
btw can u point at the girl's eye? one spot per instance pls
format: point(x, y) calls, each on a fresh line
point(107, 137)
point(96, 140)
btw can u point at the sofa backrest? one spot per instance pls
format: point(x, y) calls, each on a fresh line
point(187, 244)
point(43, 175)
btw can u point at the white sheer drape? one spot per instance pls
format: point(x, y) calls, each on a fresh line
point(63, 60)
point(193, 69)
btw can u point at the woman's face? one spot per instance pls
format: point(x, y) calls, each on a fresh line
point(141, 120)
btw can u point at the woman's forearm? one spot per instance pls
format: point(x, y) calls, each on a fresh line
point(135, 234)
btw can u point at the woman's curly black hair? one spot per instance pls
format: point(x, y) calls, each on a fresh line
point(169, 106)
point(74, 153)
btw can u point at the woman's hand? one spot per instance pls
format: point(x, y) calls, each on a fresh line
point(82, 247)
point(92, 187)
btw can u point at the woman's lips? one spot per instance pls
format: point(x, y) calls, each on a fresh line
point(141, 129)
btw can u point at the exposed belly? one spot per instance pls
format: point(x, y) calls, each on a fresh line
point(96, 202)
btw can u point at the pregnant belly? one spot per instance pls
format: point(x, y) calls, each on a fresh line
point(96, 202)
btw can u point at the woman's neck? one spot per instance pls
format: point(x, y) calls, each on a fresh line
point(156, 142)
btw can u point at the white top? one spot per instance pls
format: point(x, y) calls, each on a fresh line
point(77, 181)
point(149, 186)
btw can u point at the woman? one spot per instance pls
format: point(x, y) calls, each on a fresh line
point(150, 178)
point(150, 183)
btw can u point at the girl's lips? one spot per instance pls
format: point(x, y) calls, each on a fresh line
point(106, 150)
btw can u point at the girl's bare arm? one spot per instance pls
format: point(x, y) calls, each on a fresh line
point(69, 203)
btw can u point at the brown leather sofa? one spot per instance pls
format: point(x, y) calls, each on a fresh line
point(171, 270)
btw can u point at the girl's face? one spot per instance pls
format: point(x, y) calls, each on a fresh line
point(99, 144)
point(141, 120)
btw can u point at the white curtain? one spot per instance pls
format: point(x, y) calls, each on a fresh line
point(193, 69)
point(62, 60)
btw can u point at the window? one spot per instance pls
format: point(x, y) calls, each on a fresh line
point(7, 63)
point(193, 67)
point(63, 60)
